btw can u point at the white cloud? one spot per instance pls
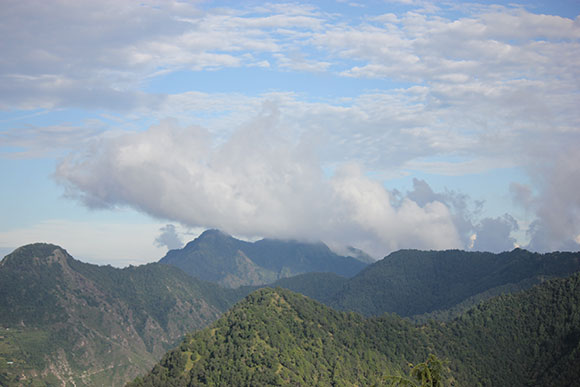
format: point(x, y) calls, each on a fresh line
point(109, 47)
point(480, 47)
point(495, 234)
point(555, 200)
point(365, 211)
point(97, 54)
point(258, 182)
point(169, 238)
point(42, 141)
point(298, 62)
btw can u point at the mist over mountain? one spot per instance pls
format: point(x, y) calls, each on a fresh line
point(359, 255)
point(63, 321)
point(277, 337)
point(221, 258)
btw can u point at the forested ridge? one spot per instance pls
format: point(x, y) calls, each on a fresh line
point(65, 321)
point(441, 284)
point(277, 337)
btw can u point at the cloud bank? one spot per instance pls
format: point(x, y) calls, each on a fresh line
point(257, 183)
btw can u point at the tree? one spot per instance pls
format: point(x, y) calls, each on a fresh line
point(426, 374)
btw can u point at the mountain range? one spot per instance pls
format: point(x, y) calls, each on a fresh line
point(220, 258)
point(442, 283)
point(63, 321)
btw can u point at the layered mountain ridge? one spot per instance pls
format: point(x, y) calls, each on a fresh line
point(278, 337)
point(65, 321)
point(223, 259)
point(414, 282)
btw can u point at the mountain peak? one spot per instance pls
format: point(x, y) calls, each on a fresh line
point(36, 254)
point(212, 235)
point(219, 257)
point(212, 231)
point(111, 323)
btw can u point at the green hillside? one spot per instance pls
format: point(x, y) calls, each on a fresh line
point(527, 339)
point(413, 282)
point(64, 321)
point(67, 322)
point(277, 337)
point(274, 337)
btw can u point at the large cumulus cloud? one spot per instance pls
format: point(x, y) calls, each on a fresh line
point(259, 182)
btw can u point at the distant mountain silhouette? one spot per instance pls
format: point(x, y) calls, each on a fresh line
point(218, 257)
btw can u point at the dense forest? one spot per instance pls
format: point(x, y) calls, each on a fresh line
point(439, 283)
point(278, 337)
point(64, 321)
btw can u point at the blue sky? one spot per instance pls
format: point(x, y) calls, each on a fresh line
point(127, 128)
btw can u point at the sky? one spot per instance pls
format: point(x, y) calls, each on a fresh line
point(129, 127)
